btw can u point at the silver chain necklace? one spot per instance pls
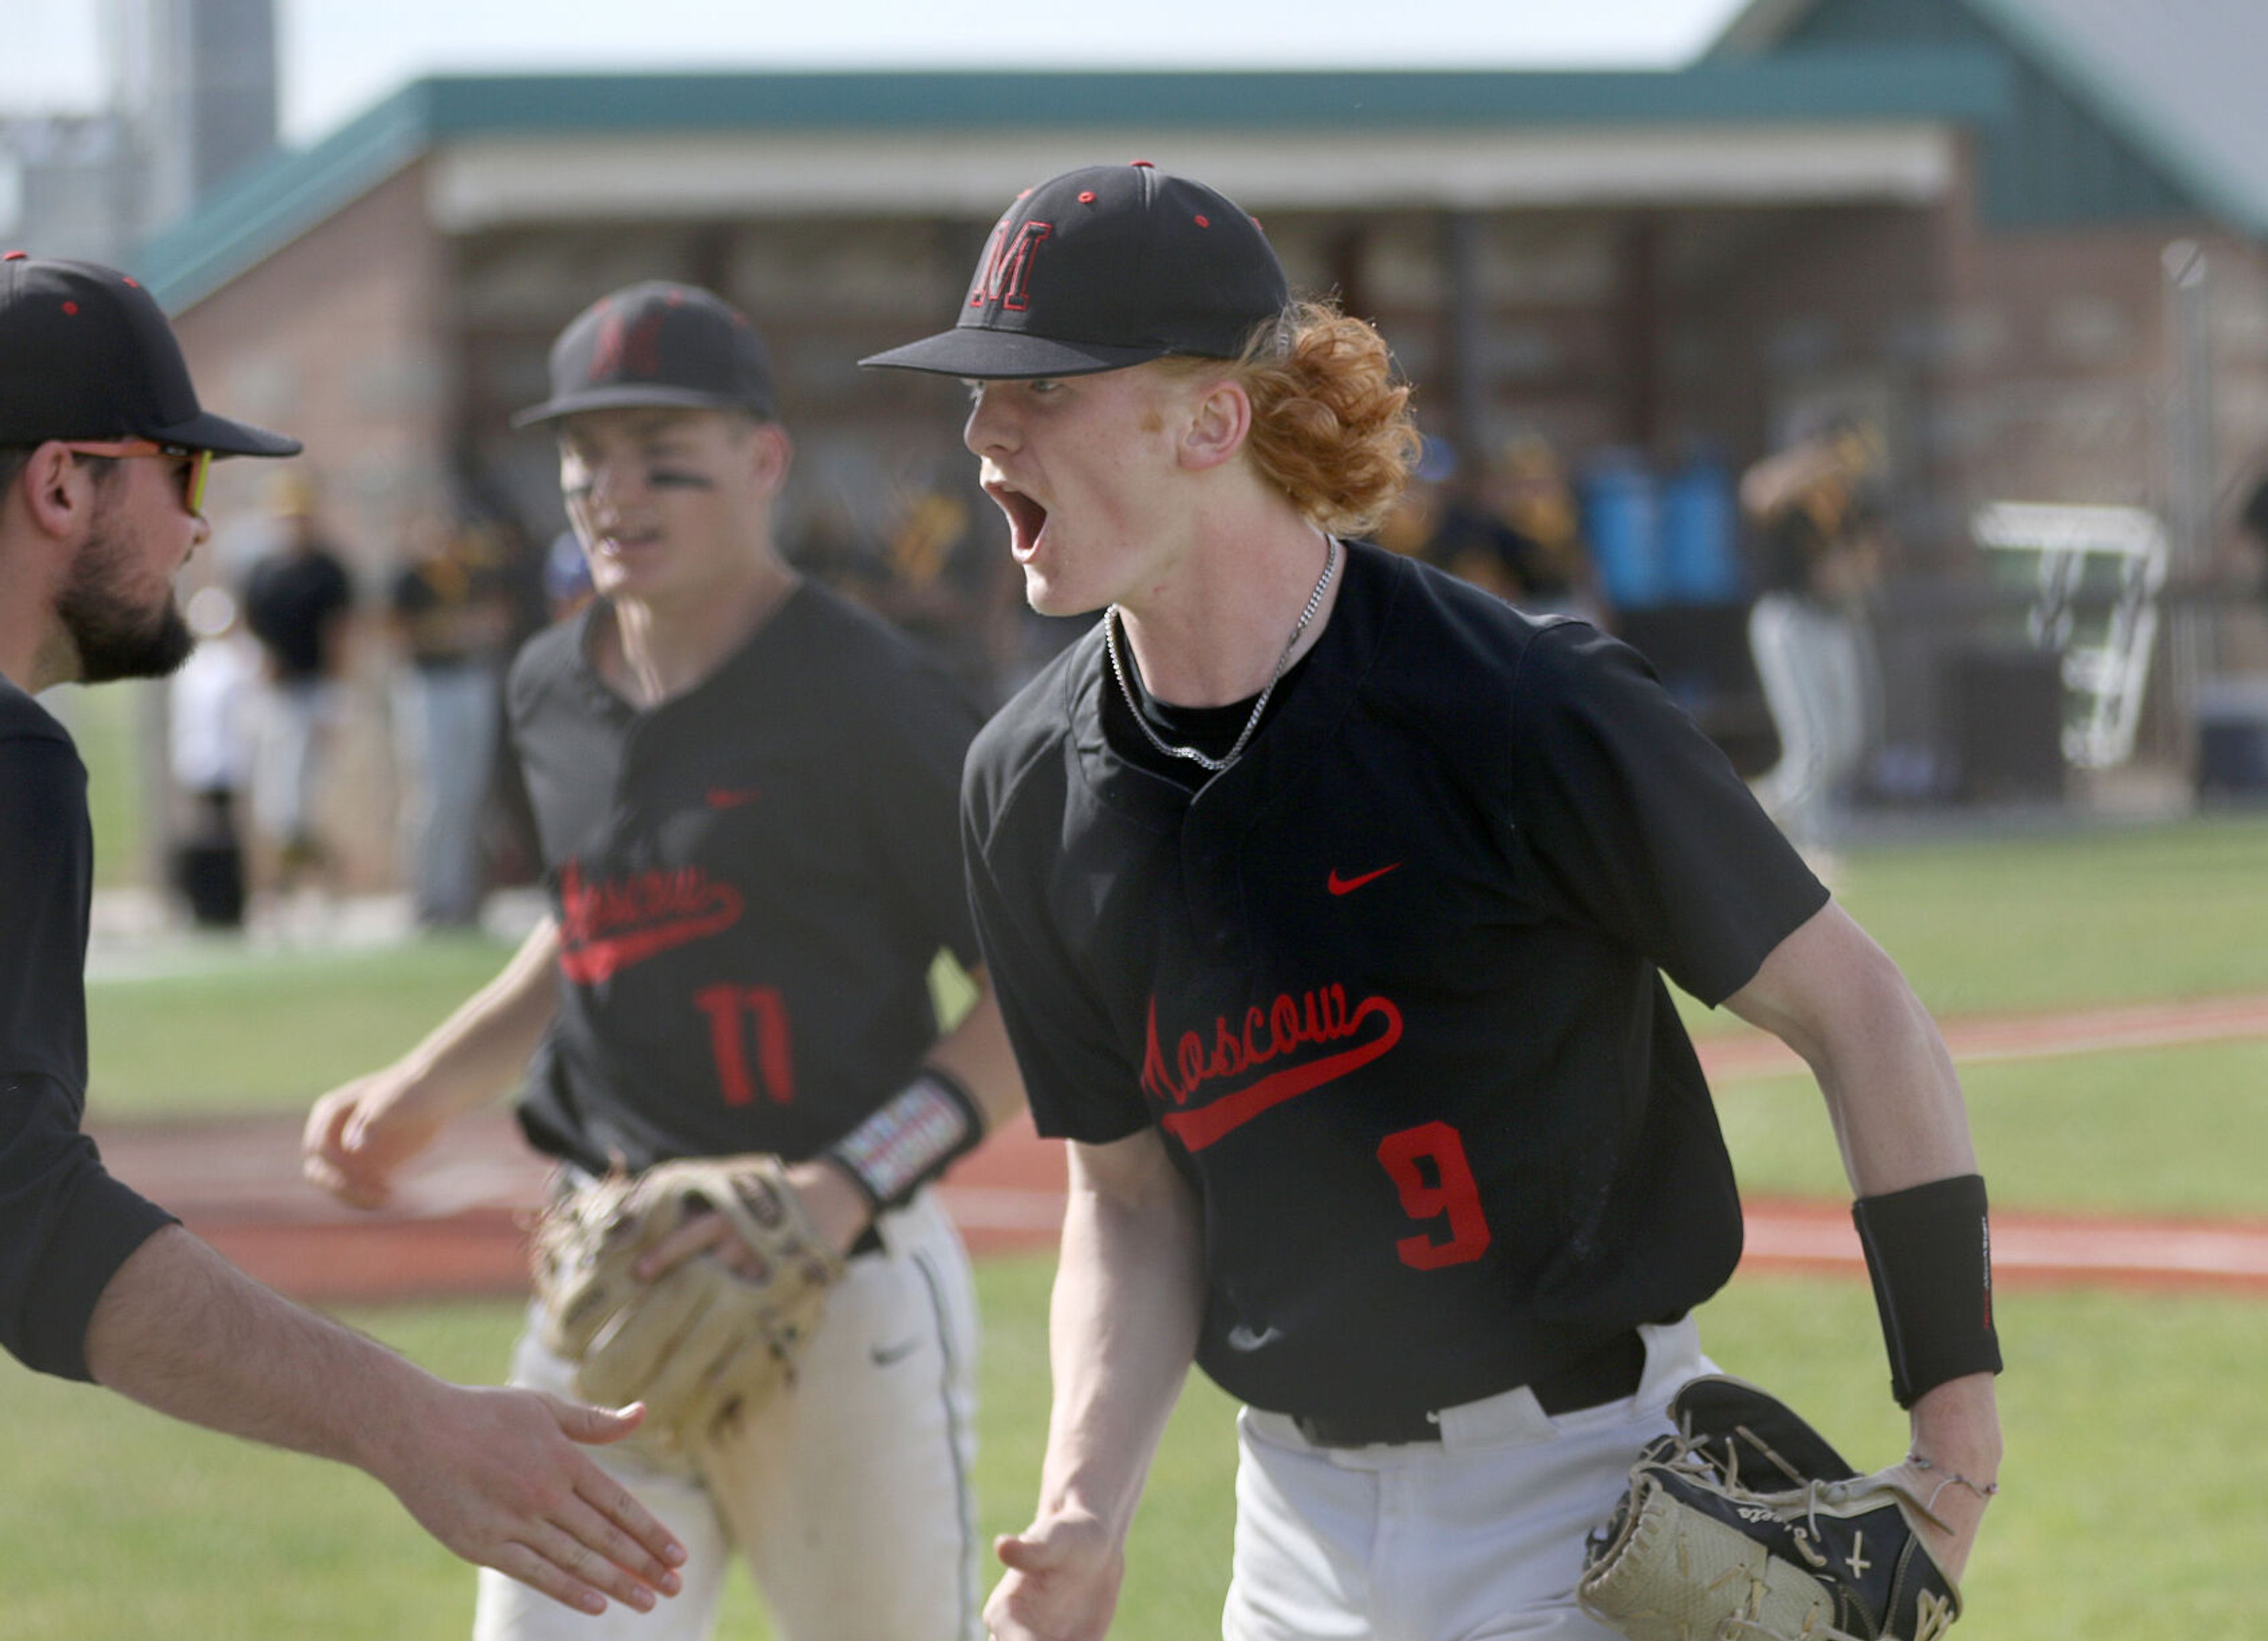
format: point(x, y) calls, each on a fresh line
point(1111, 622)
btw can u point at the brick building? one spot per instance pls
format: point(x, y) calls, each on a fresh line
point(1951, 217)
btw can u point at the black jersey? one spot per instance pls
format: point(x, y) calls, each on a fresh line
point(65, 1224)
point(292, 601)
point(1390, 987)
point(751, 881)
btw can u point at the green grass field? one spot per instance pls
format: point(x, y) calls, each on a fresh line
point(2175, 912)
point(107, 723)
point(2128, 1508)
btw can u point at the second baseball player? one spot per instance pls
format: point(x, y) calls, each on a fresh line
point(745, 790)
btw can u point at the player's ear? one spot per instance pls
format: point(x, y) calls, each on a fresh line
point(1219, 419)
point(771, 454)
point(57, 491)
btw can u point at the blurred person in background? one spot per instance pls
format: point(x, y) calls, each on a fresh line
point(941, 583)
point(1472, 543)
point(451, 618)
point(297, 599)
point(1816, 510)
point(2253, 522)
point(1508, 529)
point(1409, 529)
point(566, 576)
point(210, 705)
point(1529, 490)
point(103, 451)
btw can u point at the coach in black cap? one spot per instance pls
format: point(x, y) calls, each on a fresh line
point(103, 452)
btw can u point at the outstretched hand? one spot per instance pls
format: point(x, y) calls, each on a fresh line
point(1064, 1574)
point(359, 1135)
point(494, 1475)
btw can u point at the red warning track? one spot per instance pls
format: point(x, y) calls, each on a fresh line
point(461, 1227)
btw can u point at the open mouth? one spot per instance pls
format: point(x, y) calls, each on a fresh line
point(616, 542)
point(1026, 518)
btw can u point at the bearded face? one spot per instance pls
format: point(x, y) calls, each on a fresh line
point(120, 633)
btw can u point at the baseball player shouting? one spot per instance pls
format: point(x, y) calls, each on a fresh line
point(745, 790)
point(1327, 900)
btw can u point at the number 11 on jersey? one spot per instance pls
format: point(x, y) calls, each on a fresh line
point(1444, 1187)
point(735, 1013)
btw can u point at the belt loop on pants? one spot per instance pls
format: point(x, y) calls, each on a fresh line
point(1609, 1374)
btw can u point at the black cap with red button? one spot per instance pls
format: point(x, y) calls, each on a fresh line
point(86, 354)
point(1103, 267)
point(657, 344)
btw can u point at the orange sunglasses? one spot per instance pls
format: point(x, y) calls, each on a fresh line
point(193, 480)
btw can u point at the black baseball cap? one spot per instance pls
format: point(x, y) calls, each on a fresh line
point(657, 343)
point(1106, 266)
point(86, 354)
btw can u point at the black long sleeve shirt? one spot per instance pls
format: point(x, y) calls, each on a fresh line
point(66, 1226)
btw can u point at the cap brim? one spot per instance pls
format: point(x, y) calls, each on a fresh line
point(632, 396)
point(984, 354)
point(224, 438)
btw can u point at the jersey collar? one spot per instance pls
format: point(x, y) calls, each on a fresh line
point(774, 635)
point(1295, 742)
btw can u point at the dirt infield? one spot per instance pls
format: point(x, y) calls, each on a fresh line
point(460, 1229)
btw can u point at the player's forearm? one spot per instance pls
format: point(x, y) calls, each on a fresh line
point(1954, 1463)
point(484, 1047)
point(976, 1053)
point(1956, 1426)
point(1895, 1098)
point(969, 1088)
point(1123, 1330)
point(1836, 998)
point(179, 1329)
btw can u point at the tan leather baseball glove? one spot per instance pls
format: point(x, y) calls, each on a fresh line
point(702, 1342)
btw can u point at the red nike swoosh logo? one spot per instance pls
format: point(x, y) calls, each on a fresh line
point(1348, 886)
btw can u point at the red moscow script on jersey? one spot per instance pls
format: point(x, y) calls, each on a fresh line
point(1315, 1018)
point(606, 926)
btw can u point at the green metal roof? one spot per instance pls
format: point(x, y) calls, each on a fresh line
point(2169, 86)
point(259, 212)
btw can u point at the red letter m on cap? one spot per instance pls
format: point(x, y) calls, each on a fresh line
point(1007, 274)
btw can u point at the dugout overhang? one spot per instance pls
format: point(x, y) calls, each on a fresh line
point(486, 183)
point(1881, 125)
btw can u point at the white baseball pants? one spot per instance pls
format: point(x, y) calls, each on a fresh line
point(850, 1495)
point(1474, 1537)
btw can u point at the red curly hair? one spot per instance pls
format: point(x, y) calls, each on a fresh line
point(1331, 426)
